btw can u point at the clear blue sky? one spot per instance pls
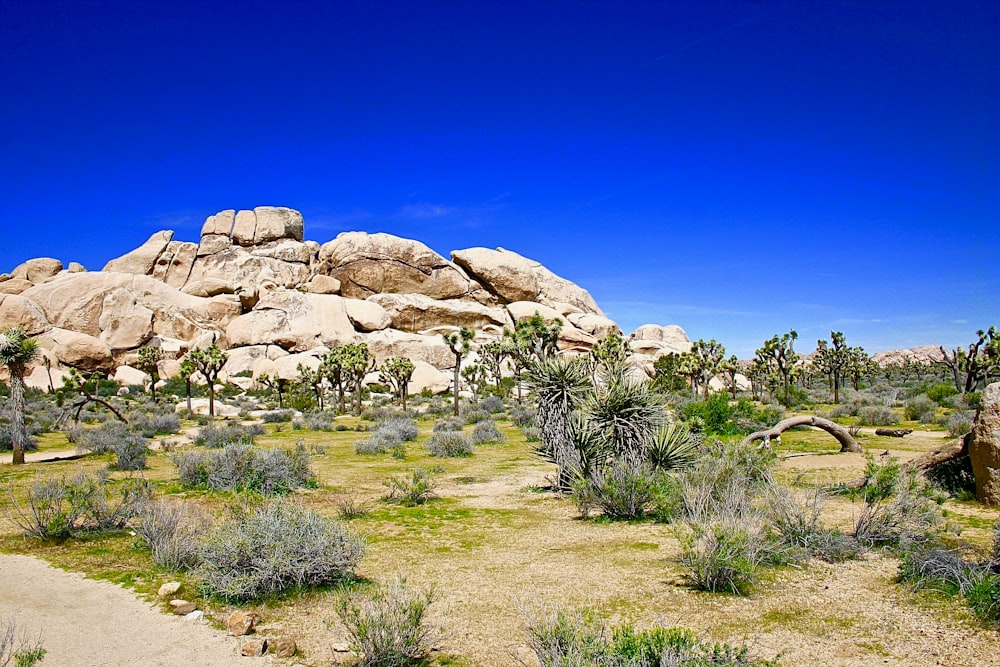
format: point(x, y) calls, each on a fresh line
point(736, 167)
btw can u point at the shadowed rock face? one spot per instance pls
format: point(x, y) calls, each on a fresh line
point(254, 285)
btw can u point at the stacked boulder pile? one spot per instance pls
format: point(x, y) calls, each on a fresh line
point(255, 287)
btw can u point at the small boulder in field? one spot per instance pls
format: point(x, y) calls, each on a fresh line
point(168, 589)
point(242, 623)
point(254, 647)
point(283, 647)
point(184, 608)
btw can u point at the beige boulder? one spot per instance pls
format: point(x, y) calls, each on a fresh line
point(266, 223)
point(78, 350)
point(76, 267)
point(76, 301)
point(245, 359)
point(125, 324)
point(37, 270)
point(287, 367)
point(209, 286)
point(39, 377)
point(211, 244)
point(199, 406)
point(671, 338)
point(525, 310)
point(142, 260)
point(492, 268)
point(220, 224)
point(367, 264)
point(285, 250)
point(174, 265)
point(418, 312)
point(595, 325)
point(295, 321)
point(984, 446)
point(18, 311)
point(426, 377)
point(15, 286)
point(320, 284)
point(248, 273)
point(571, 338)
point(393, 343)
point(367, 315)
point(130, 377)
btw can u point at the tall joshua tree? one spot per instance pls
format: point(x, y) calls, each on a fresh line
point(209, 362)
point(459, 342)
point(17, 351)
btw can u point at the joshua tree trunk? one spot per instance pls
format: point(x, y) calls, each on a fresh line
point(846, 440)
point(18, 432)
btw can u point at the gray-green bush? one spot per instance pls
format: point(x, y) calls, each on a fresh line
point(244, 467)
point(219, 435)
point(275, 547)
point(172, 530)
point(388, 624)
point(449, 443)
point(413, 489)
point(486, 431)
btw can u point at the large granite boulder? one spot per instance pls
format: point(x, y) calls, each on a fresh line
point(142, 260)
point(515, 278)
point(77, 301)
point(78, 350)
point(367, 264)
point(295, 321)
point(17, 311)
point(394, 343)
point(37, 270)
point(175, 262)
point(984, 446)
point(416, 312)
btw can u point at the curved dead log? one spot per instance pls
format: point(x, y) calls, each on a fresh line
point(846, 440)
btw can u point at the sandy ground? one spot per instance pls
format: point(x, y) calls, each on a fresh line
point(83, 622)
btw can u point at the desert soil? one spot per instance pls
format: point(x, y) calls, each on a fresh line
point(83, 622)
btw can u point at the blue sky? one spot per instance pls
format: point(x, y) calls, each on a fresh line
point(736, 167)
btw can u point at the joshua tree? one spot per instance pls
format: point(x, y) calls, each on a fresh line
point(149, 358)
point(332, 369)
point(491, 357)
point(831, 359)
point(459, 342)
point(475, 378)
point(705, 359)
point(778, 354)
point(396, 372)
point(976, 366)
point(313, 379)
point(357, 363)
point(730, 368)
point(530, 341)
point(185, 372)
point(209, 362)
point(560, 386)
point(17, 351)
point(275, 384)
point(610, 350)
point(78, 383)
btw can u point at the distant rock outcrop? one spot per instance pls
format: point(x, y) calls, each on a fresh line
point(254, 285)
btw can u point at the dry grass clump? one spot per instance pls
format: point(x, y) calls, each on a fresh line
point(388, 624)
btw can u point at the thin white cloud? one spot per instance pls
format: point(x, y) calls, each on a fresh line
point(426, 211)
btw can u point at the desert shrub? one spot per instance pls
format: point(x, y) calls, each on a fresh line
point(475, 416)
point(388, 625)
point(899, 507)
point(131, 452)
point(796, 520)
point(943, 570)
point(402, 427)
point(219, 435)
point(970, 399)
point(920, 409)
point(844, 410)
point(491, 404)
point(532, 434)
point(277, 416)
point(449, 443)
point(274, 547)
point(60, 507)
point(959, 423)
point(877, 415)
point(379, 442)
point(522, 417)
point(560, 638)
point(940, 393)
point(984, 598)
point(487, 431)
point(725, 479)
point(448, 424)
point(724, 555)
point(172, 531)
point(152, 425)
point(350, 507)
point(102, 438)
point(388, 436)
point(621, 490)
point(244, 467)
point(15, 648)
point(410, 490)
point(7, 440)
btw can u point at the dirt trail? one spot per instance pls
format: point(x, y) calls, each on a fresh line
point(96, 623)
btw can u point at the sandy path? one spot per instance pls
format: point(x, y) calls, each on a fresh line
point(95, 623)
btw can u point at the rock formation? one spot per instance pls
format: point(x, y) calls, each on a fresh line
point(255, 286)
point(984, 446)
